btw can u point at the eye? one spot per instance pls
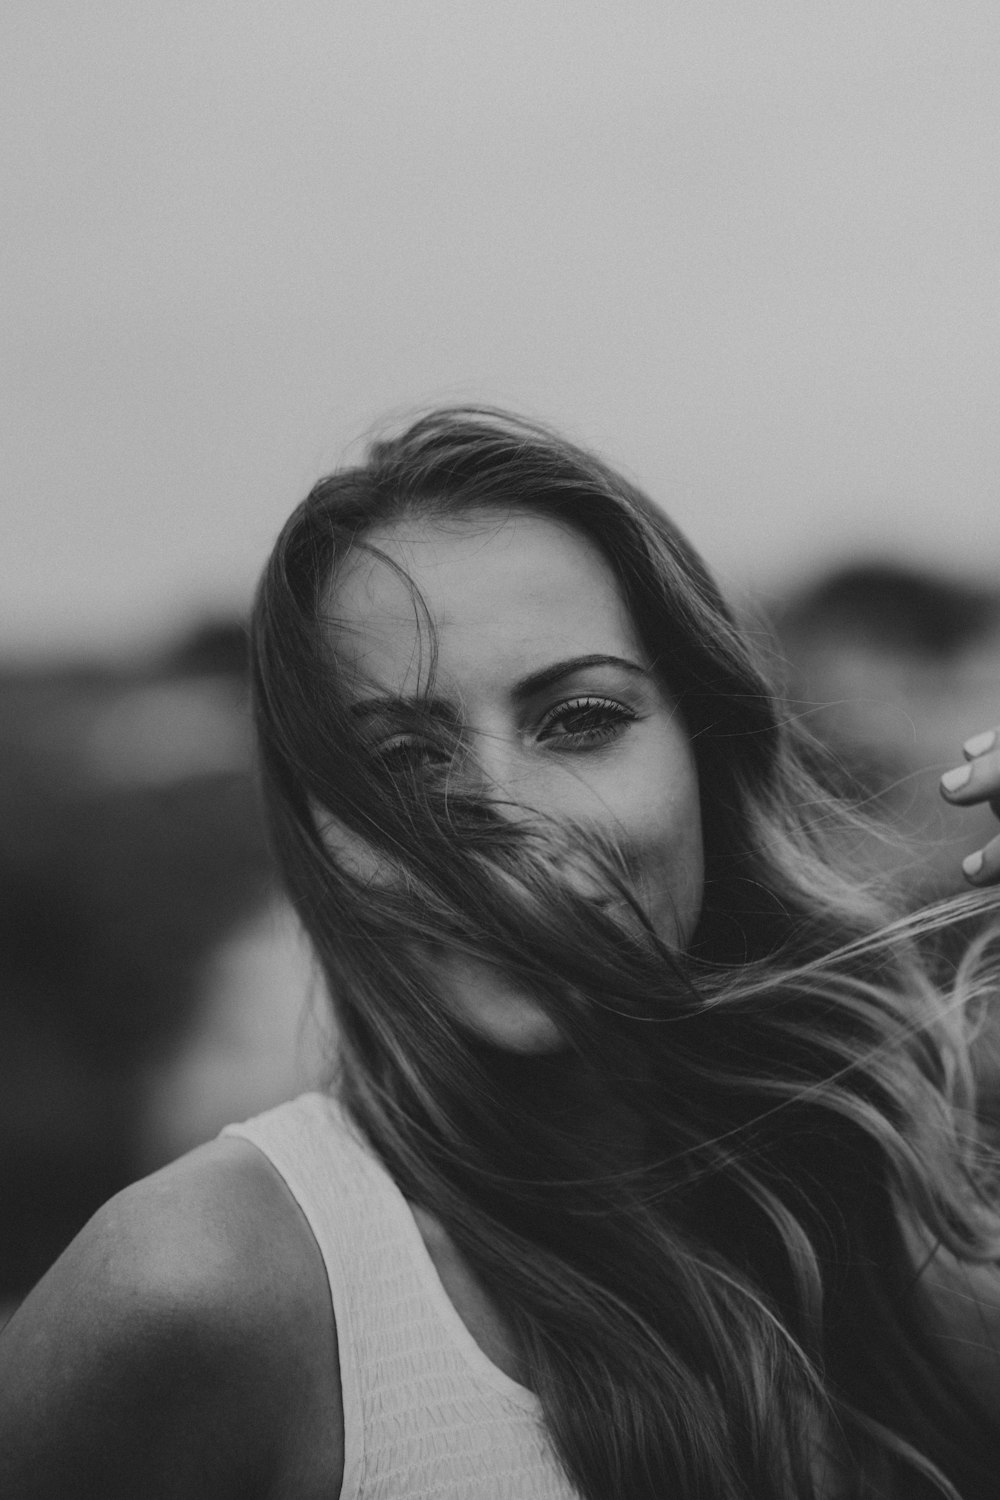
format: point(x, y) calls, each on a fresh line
point(583, 723)
point(410, 756)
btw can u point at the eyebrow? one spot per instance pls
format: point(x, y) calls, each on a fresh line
point(527, 687)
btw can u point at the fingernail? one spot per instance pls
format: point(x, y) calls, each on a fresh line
point(973, 863)
point(952, 780)
point(980, 743)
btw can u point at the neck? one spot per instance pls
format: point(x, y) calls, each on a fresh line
point(567, 1094)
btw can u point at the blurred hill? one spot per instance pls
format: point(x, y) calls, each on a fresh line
point(130, 844)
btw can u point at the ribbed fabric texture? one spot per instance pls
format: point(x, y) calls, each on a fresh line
point(426, 1414)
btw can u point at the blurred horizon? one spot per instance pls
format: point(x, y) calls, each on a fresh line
point(748, 254)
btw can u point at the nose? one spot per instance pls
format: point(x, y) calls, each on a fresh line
point(499, 768)
point(492, 766)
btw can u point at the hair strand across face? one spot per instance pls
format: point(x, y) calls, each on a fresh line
point(718, 1299)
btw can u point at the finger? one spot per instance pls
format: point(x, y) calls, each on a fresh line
point(980, 743)
point(978, 780)
point(983, 867)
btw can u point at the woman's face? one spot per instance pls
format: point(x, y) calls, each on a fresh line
point(546, 698)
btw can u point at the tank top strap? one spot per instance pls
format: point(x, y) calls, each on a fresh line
point(426, 1413)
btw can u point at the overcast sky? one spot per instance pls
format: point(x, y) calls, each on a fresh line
point(751, 251)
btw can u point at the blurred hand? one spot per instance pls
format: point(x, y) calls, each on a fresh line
point(978, 780)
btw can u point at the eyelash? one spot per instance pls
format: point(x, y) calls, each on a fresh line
point(406, 755)
point(614, 717)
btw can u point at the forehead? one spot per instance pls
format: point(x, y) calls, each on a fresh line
point(504, 594)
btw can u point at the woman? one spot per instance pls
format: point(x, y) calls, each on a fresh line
point(649, 1166)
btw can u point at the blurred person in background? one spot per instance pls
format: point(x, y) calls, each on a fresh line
point(137, 893)
point(255, 1036)
point(888, 662)
point(650, 1167)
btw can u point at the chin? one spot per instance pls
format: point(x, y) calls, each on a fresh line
point(495, 1009)
point(529, 1035)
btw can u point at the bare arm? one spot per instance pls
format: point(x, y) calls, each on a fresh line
point(177, 1348)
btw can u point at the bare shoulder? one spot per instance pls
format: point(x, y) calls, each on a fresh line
point(183, 1344)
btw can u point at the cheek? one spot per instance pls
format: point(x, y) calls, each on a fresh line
point(665, 836)
point(677, 876)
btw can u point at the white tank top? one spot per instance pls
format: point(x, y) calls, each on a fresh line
point(426, 1413)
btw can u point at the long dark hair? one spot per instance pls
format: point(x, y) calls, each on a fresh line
point(730, 1309)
